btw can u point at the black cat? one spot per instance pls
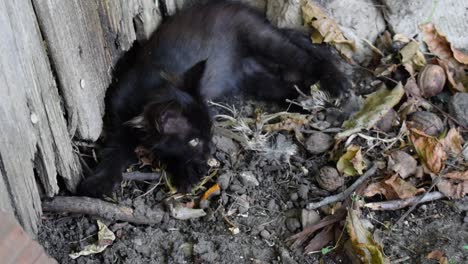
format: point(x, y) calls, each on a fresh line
point(203, 52)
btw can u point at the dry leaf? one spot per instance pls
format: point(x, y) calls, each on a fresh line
point(320, 240)
point(411, 57)
point(105, 238)
point(454, 184)
point(453, 188)
point(437, 255)
point(453, 142)
point(377, 188)
point(392, 188)
point(326, 29)
point(451, 60)
point(352, 162)
point(375, 107)
point(438, 44)
point(402, 163)
point(362, 241)
point(456, 75)
point(401, 188)
point(457, 175)
point(429, 150)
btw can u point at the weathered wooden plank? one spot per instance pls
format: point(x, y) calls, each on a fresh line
point(125, 21)
point(77, 49)
point(34, 141)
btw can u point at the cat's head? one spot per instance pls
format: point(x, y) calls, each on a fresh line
point(176, 126)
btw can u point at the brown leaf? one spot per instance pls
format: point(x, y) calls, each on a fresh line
point(456, 75)
point(392, 188)
point(457, 175)
point(351, 163)
point(401, 188)
point(435, 254)
point(429, 150)
point(402, 163)
point(453, 188)
point(320, 240)
point(453, 142)
point(437, 43)
point(451, 59)
point(326, 29)
point(376, 188)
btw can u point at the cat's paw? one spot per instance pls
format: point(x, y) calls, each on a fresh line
point(191, 176)
point(336, 84)
point(96, 187)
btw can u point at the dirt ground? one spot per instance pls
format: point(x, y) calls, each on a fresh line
point(266, 216)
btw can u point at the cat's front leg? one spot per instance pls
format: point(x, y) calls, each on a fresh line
point(115, 157)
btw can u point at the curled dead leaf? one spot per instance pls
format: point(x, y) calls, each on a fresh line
point(455, 189)
point(352, 162)
point(362, 241)
point(393, 188)
point(453, 142)
point(429, 150)
point(438, 44)
point(326, 30)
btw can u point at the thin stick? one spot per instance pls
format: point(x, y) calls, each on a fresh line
point(141, 176)
point(341, 196)
point(97, 207)
point(399, 204)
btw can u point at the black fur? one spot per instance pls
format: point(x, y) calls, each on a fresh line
point(204, 52)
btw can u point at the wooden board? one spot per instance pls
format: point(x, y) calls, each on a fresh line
point(34, 141)
point(77, 49)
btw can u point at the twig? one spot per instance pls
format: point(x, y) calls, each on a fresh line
point(141, 176)
point(399, 204)
point(97, 207)
point(346, 193)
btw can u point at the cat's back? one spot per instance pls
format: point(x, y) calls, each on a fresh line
point(199, 32)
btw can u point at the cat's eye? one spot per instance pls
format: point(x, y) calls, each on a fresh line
point(194, 142)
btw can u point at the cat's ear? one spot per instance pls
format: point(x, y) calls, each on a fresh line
point(192, 77)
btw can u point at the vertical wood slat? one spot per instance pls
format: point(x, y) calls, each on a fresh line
point(34, 141)
point(77, 49)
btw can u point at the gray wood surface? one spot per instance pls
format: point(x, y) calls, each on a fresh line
point(77, 49)
point(34, 142)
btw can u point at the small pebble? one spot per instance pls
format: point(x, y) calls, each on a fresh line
point(303, 191)
point(224, 180)
point(309, 217)
point(272, 205)
point(458, 107)
point(292, 224)
point(244, 205)
point(319, 142)
point(204, 204)
point(248, 179)
point(294, 196)
point(265, 234)
point(237, 189)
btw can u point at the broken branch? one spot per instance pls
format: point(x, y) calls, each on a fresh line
point(343, 195)
point(399, 204)
point(97, 207)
